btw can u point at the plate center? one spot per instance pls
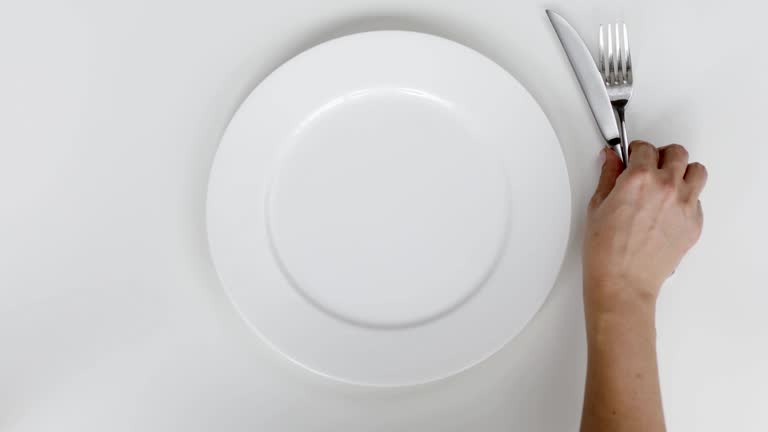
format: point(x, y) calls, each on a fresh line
point(387, 210)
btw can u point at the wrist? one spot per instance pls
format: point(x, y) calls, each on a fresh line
point(620, 295)
point(615, 309)
point(622, 332)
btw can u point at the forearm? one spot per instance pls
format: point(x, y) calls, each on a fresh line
point(641, 221)
point(622, 391)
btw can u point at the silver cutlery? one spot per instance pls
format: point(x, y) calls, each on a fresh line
point(615, 64)
point(590, 79)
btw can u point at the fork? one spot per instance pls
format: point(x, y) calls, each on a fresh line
point(616, 68)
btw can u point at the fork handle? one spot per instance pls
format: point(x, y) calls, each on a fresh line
point(623, 135)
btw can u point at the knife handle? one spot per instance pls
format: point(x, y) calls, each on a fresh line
point(617, 149)
point(624, 155)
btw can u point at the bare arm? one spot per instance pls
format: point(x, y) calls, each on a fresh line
point(640, 223)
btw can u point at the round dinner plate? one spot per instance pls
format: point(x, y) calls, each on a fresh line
point(388, 208)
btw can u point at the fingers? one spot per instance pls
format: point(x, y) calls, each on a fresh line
point(612, 167)
point(673, 159)
point(643, 155)
point(696, 178)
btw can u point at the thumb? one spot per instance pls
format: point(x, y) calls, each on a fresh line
point(612, 167)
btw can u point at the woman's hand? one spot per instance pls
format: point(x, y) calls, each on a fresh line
point(640, 223)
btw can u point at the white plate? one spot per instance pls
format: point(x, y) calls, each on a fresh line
point(388, 208)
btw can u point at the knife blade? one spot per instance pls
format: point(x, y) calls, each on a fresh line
point(589, 78)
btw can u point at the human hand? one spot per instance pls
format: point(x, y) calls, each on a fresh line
point(640, 223)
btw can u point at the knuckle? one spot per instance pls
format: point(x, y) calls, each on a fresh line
point(667, 182)
point(640, 174)
point(668, 188)
point(696, 166)
point(692, 201)
point(641, 144)
point(677, 149)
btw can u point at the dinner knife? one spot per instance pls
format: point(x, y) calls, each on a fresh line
point(590, 80)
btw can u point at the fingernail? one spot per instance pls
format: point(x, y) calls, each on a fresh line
point(602, 155)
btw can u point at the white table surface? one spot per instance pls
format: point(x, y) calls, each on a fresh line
point(112, 318)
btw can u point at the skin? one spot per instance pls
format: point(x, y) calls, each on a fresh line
point(640, 223)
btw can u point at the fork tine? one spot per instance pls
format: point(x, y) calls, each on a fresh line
point(620, 52)
point(616, 76)
point(601, 55)
point(627, 58)
point(609, 71)
point(623, 57)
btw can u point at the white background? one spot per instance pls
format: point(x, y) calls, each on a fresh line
point(111, 316)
